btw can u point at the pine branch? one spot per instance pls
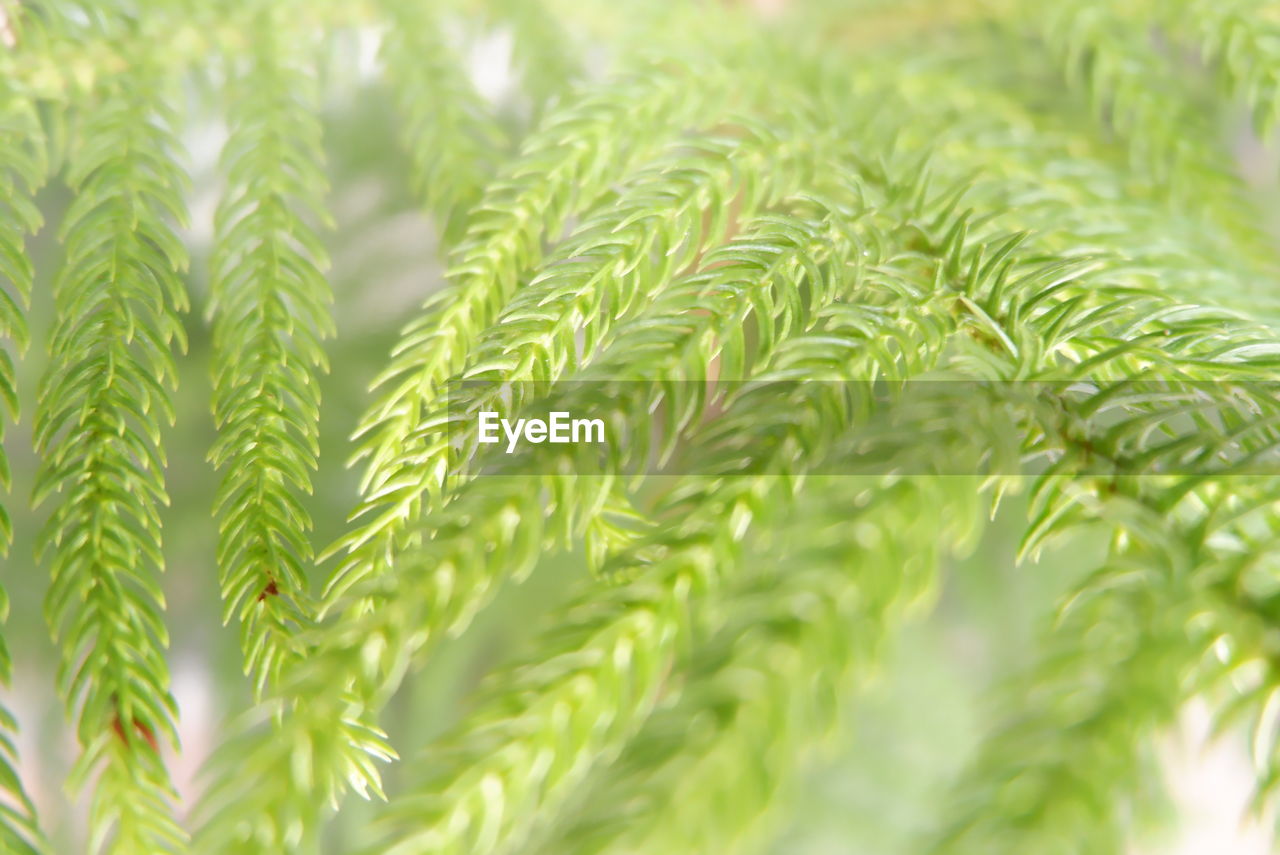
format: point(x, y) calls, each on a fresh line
point(448, 130)
point(631, 245)
point(497, 526)
point(751, 279)
point(375, 647)
point(1143, 92)
point(1028, 287)
point(770, 260)
point(763, 689)
point(1109, 50)
point(1054, 181)
point(270, 311)
point(1062, 771)
point(1238, 612)
point(1141, 598)
point(535, 198)
point(1241, 38)
point(796, 357)
point(284, 810)
point(98, 431)
point(600, 672)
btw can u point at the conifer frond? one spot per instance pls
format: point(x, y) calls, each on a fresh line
point(1094, 703)
point(773, 255)
point(1145, 93)
point(270, 311)
point(542, 728)
point(1240, 38)
point(535, 198)
point(448, 131)
point(1086, 714)
point(541, 731)
point(751, 279)
point(653, 228)
point(1055, 182)
point(1244, 680)
point(1110, 50)
point(694, 779)
point(97, 426)
point(385, 640)
point(484, 530)
point(491, 530)
point(980, 275)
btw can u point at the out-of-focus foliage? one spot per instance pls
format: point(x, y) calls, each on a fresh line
point(376, 201)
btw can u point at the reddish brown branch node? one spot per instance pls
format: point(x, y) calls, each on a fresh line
point(139, 728)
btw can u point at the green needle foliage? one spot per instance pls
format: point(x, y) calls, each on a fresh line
point(734, 716)
point(270, 311)
point(97, 429)
point(857, 287)
point(25, 157)
point(449, 132)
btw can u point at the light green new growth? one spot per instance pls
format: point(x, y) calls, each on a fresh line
point(97, 428)
point(734, 716)
point(550, 184)
point(270, 310)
